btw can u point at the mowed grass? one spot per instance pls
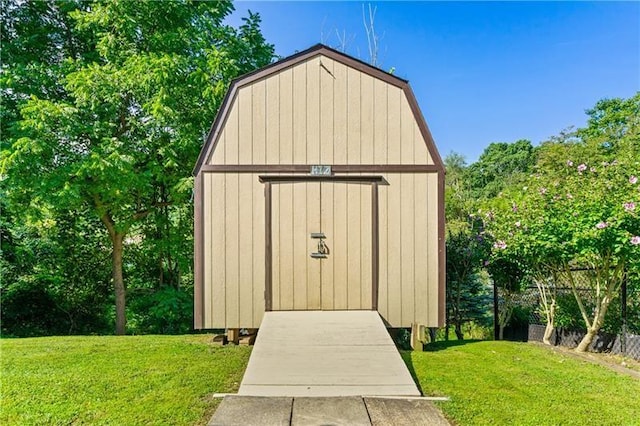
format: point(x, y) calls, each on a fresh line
point(507, 383)
point(130, 380)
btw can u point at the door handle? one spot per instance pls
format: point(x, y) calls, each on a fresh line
point(323, 249)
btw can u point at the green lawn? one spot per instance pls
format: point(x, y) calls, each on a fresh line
point(506, 383)
point(169, 380)
point(132, 380)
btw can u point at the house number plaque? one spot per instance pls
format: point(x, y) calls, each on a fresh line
point(320, 170)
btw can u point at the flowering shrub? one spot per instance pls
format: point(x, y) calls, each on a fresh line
point(582, 216)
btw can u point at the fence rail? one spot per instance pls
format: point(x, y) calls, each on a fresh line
point(620, 333)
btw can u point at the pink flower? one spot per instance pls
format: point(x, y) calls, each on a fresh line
point(569, 163)
point(633, 180)
point(500, 245)
point(635, 240)
point(602, 225)
point(582, 167)
point(629, 206)
point(543, 190)
point(514, 207)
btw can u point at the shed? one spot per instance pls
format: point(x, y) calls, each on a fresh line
point(319, 187)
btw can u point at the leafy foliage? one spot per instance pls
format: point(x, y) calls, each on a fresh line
point(105, 105)
point(579, 207)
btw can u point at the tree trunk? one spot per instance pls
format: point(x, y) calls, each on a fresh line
point(548, 331)
point(459, 333)
point(501, 332)
point(587, 339)
point(592, 331)
point(118, 283)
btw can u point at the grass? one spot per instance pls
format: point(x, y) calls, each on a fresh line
point(132, 380)
point(147, 380)
point(507, 383)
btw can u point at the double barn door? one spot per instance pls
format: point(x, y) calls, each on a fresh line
point(321, 245)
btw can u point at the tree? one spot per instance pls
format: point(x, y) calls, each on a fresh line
point(108, 103)
point(500, 165)
point(579, 210)
point(467, 248)
point(510, 276)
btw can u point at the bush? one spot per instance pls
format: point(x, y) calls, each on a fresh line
point(163, 311)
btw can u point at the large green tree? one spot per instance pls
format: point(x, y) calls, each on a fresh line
point(105, 104)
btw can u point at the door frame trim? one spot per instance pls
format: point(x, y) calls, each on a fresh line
point(268, 180)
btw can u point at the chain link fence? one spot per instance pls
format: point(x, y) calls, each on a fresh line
point(620, 333)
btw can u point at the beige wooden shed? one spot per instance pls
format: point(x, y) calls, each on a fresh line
point(319, 187)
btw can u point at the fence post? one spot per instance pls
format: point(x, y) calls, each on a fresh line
point(623, 308)
point(496, 325)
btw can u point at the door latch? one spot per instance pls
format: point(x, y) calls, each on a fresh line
point(323, 249)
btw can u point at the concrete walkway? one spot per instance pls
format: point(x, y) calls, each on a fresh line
point(315, 411)
point(325, 353)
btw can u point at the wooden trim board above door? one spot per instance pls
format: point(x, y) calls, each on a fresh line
point(306, 168)
point(312, 178)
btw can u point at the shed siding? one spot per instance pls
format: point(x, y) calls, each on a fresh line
point(319, 111)
point(313, 114)
point(408, 286)
point(233, 251)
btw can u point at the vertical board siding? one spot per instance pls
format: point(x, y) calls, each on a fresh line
point(340, 244)
point(319, 112)
point(394, 249)
point(327, 225)
point(285, 117)
point(432, 241)
point(313, 278)
point(340, 118)
point(299, 124)
point(258, 123)
point(215, 252)
point(421, 249)
point(366, 236)
point(354, 102)
point(366, 119)
point(383, 215)
point(245, 249)
point(258, 268)
point(326, 112)
point(275, 254)
point(380, 126)
point(274, 120)
point(300, 245)
point(313, 111)
point(232, 261)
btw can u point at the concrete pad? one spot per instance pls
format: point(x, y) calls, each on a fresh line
point(325, 353)
point(403, 412)
point(252, 411)
point(329, 411)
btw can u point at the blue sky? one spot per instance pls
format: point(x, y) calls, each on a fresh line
point(482, 72)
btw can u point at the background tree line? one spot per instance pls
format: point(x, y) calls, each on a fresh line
point(104, 107)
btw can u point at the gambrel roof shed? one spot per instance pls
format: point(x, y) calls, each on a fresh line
point(319, 187)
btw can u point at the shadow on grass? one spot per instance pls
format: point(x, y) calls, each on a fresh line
point(431, 347)
point(444, 345)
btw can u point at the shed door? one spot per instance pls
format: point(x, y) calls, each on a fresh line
point(341, 278)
